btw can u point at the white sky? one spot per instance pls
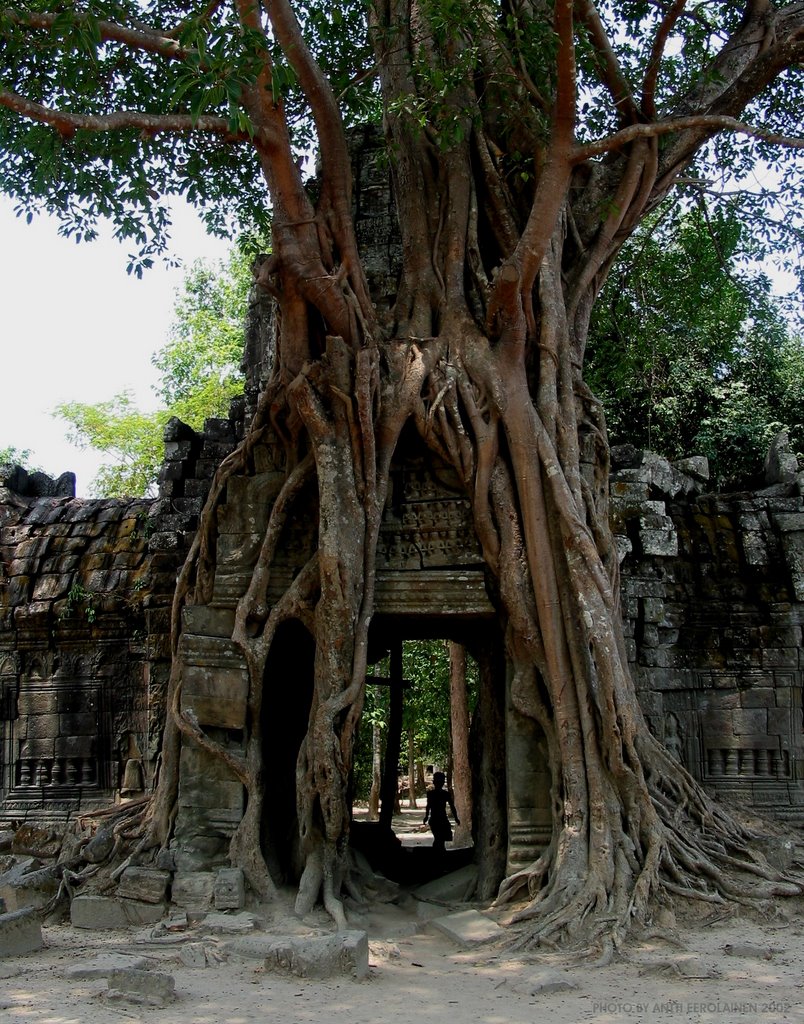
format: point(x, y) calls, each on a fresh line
point(75, 326)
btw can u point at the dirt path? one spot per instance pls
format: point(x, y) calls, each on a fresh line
point(728, 970)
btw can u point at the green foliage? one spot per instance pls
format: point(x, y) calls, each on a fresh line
point(16, 457)
point(690, 353)
point(131, 439)
point(425, 709)
point(76, 596)
point(200, 374)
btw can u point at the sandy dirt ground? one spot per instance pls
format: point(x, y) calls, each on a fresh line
point(707, 965)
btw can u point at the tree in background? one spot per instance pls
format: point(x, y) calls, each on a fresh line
point(689, 350)
point(527, 141)
point(11, 456)
point(200, 374)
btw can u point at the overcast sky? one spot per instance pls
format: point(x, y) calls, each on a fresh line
point(75, 326)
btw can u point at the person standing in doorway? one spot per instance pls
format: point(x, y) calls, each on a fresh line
point(436, 812)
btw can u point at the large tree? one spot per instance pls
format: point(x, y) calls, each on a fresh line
point(527, 140)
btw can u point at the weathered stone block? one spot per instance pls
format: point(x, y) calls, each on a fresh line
point(467, 927)
point(25, 886)
point(42, 727)
point(102, 966)
point(146, 884)
point(106, 913)
point(149, 987)
point(749, 721)
point(20, 932)
point(193, 890)
point(230, 889)
point(82, 724)
point(324, 956)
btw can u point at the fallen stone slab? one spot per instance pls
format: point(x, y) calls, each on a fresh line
point(452, 888)
point(344, 954)
point(193, 955)
point(20, 932)
point(750, 951)
point(102, 966)
point(232, 924)
point(467, 927)
point(543, 982)
point(28, 888)
point(151, 988)
point(37, 841)
point(108, 913)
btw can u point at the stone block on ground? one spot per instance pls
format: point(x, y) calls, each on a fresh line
point(102, 966)
point(149, 987)
point(229, 892)
point(22, 887)
point(146, 884)
point(451, 888)
point(344, 954)
point(108, 913)
point(467, 927)
point(229, 924)
point(193, 955)
point(20, 932)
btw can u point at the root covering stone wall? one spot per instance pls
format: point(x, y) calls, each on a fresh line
point(712, 598)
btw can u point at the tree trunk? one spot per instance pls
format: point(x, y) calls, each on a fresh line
point(376, 773)
point(459, 729)
point(482, 355)
point(411, 770)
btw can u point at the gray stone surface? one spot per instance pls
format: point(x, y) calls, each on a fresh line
point(152, 988)
point(193, 955)
point(452, 888)
point(26, 885)
point(229, 924)
point(20, 932)
point(102, 966)
point(193, 889)
point(146, 884)
point(108, 913)
point(344, 954)
point(230, 889)
point(467, 927)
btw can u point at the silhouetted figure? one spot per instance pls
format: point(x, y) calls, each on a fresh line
point(436, 812)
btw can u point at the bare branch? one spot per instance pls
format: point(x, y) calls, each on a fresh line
point(711, 123)
point(67, 124)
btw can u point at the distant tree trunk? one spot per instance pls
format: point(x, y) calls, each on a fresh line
point(459, 730)
point(411, 770)
point(376, 773)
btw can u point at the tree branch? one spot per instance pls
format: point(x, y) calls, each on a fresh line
point(67, 124)
point(657, 52)
point(711, 123)
point(613, 77)
point(135, 38)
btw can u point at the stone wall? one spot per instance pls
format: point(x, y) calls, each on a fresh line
point(713, 604)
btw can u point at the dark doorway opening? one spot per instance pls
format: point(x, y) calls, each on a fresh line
point(423, 690)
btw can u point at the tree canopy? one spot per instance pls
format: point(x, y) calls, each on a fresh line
point(527, 140)
point(200, 374)
point(690, 350)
